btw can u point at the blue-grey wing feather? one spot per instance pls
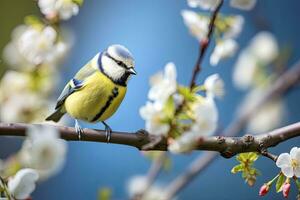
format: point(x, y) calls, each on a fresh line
point(76, 83)
point(73, 86)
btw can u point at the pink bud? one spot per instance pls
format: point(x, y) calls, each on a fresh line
point(286, 189)
point(264, 190)
point(204, 42)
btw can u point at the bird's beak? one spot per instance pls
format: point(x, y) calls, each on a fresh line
point(131, 71)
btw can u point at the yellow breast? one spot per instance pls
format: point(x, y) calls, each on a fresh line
point(97, 100)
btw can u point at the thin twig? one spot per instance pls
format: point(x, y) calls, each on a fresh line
point(204, 44)
point(189, 174)
point(154, 171)
point(269, 155)
point(202, 49)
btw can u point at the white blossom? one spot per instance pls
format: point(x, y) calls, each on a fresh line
point(178, 99)
point(204, 4)
point(13, 82)
point(153, 114)
point(236, 24)
point(11, 54)
point(136, 185)
point(266, 118)
point(206, 119)
point(206, 116)
point(163, 85)
point(198, 25)
point(23, 183)
point(264, 47)
point(214, 86)
point(223, 49)
point(43, 150)
point(31, 46)
point(290, 163)
point(64, 9)
point(244, 70)
point(243, 4)
point(184, 143)
point(23, 107)
point(40, 46)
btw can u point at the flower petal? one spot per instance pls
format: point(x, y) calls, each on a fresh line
point(170, 71)
point(243, 4)
point(288, 171)
point(294, 152)
point(284, 160)
point(297, 171)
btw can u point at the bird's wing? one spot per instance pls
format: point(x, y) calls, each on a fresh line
point(73, 86)
point(86, 71)
point(76, 83)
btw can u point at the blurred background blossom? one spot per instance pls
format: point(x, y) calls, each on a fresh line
point(255, 72)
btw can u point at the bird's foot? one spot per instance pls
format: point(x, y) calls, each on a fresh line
point(108, 132)
point(78, 129)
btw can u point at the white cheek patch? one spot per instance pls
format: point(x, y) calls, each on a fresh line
point(120, 53)
point(112, 69)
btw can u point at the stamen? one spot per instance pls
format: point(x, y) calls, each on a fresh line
point(295, 163)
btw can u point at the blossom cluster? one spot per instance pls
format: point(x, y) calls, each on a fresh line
point(178, 113)
point(41, 156)
point(227, 28)
point(33, 55)
point(289, 163)
point(254, 72)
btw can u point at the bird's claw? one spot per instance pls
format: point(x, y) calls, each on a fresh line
point(108, 132)
point(78, 129)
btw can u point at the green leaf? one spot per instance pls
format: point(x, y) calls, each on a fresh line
point(279, 183)
point(252, 156)
point(169, 108)
point(32, 20)
point(249, 173)
point(183, 116)
point(257, 172)
point(298, 184)
point(237, 168)
point(244, 175)
point(242, 157)
point(198, 88)
point(78, 2)
point(104, 194)
point(186, 93)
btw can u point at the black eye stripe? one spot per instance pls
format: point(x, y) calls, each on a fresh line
point(117, 61)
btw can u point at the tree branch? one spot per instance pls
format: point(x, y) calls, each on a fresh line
point(189, 174)
point(281, 86)
point(227, 146)
point(153, 172)
point(205, 43)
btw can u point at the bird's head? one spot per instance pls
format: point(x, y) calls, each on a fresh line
point(117, 63)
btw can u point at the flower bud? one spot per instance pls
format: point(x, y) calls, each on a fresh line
point(251, 181)
point(286, 189)
point(264, 190)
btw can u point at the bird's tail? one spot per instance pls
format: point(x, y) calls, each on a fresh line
point(55, 116)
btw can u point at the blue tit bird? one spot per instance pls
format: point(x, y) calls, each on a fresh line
point(97, 89)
